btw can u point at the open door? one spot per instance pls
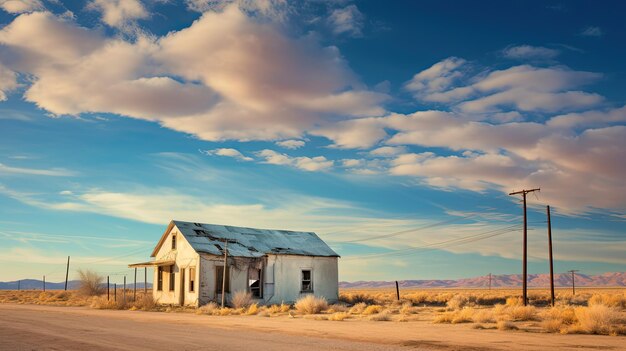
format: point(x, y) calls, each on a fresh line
point(182, 286)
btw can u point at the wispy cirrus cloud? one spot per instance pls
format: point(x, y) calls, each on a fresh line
point(529, 52)
point(52, 172)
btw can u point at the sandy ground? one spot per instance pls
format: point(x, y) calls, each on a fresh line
point(33, 327)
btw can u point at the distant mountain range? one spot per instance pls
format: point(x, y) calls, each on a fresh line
point(34, 284)
point(509, 280)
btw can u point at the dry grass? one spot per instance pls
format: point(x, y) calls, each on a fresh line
point(338, 316)
point(596, 319)
point(241, 299)
point(310, 304)
point(506, 325)
point(90, 283)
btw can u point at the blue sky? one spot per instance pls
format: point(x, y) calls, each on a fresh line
point(393, 130)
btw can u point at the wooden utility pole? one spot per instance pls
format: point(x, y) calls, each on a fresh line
point(573, 271)
point(135, 291)
point(397, 291)
point(44, 283)
point(551, 262)
point(489, 281)
point(224, 272)
point(145, 280)
point(124, 292)
point(18, 285)
point(67, 272)
point(115, 292)
point(525, 249)
point(108, 288)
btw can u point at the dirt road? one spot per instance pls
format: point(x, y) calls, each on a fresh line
point(32, 327)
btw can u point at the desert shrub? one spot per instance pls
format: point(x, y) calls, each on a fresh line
point(252, 309)
point(457, 302)
point(90, 282)
point(380, 317)
point(372, 309)
point(310, 304)
point(338, 316)
point(407, 308)
point(145, 303)
point(354, 298)
point(241, 299)
point(446, 317)
point(226, 311)
point(563, 314)
point(101, 303)
point(282, 308)
point(463, 316)
point(210, 308)
point(337, 308)
point(597, 319)
point(506, 325)
point(358, 308)
point(609, 300)
point(514, 301)
point(523, 313)
point(483, 316)
point(553, 325)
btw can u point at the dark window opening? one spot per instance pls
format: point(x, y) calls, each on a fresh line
point(307, 283)
point(219, 273)
point(160, 278)
point(192, 279)
point(174, 242)
point(172, 278)
point(255, 282)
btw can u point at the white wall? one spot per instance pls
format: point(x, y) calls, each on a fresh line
point(185, 257)
point(284, 271)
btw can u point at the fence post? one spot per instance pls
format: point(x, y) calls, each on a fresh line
point(135, 291)
point(397, 291)
point(124, 293)
point(108, 298)
point(115, 292)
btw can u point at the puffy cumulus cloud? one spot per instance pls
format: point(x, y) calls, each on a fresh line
point(119, 13)
point(291, 144)
point(438, 78)
point(555, 155)
point(311, 164)
point(520, 88)
point(21, 6)
point(529, 52)
point(235, 77)
point(348, 20)
point(228, 152)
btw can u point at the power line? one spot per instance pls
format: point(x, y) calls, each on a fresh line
point(441, 244)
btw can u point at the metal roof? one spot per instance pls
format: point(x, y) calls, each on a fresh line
point(252, 242)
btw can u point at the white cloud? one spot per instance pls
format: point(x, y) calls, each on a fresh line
point(311, 164)
point(119, 13)
point(528, 52)
point(220, 61)
point(386, 151)
point(348, 20)
point(227, 152)
point(21, 6)
point(592, 31)
point(518, 88)
point(438, 78)
point(8, 82)
point(291, 144)
point(54, 172)
point(275, 10)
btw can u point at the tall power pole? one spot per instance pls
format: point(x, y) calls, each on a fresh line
point(573, 271)
point(551, 261)
point(67, 271)
point(525, 249)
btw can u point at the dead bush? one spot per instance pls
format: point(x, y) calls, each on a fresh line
point(338, 316)
point(210, 308)
point(597, 319)
point(241, 299)
point(380, 317)
point(145, 303)
point(90, 282)
point(310, 304)
point(457, 302)
point(373, 309)
point(358, 308)
point(506, 325)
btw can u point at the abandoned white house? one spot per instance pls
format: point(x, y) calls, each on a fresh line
point(273, 265)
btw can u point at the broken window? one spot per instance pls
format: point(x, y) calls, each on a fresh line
point(307, 283)
point(192, 279)
point(173, 241)
point(160, 278)
point(172, 278)
point(255, 282)
point(219, 271)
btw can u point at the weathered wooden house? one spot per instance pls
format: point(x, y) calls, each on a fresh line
point(273, 265)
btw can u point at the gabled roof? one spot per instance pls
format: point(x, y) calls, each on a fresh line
point(248, 242)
